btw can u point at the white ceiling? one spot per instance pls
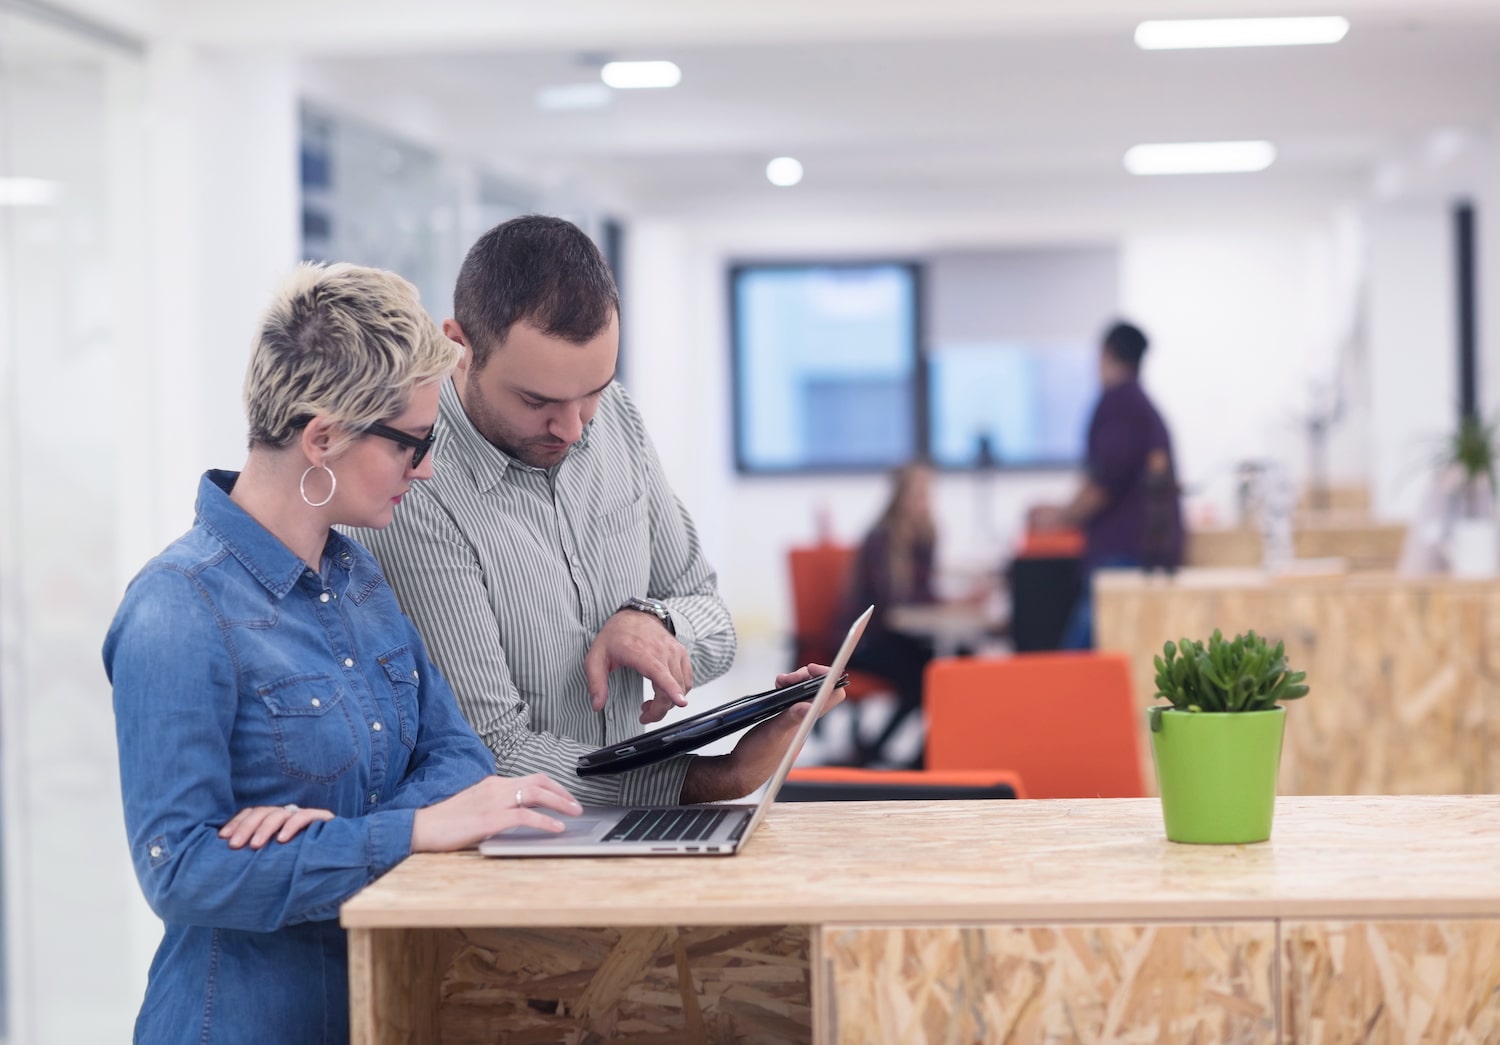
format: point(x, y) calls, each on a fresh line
point(916, 104)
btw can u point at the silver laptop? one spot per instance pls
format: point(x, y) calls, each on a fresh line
point(683, 830)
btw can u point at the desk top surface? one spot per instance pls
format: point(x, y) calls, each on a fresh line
point(891, 862)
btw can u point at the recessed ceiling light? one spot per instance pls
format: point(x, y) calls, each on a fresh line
point(784, 171)
point(627, 75)
point(566, 96)
point(28, 192)
point(1239, 32)
point(1200, 157)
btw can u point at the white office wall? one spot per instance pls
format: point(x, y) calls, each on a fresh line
point(124, 336)
point(69, 322)
point(1413, 349)
point(1487, 279)
point(1244, 324)
point(1242, 315)
point(224, 200)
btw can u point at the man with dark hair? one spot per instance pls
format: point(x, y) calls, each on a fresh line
point(548, 565)
point(1128, 506)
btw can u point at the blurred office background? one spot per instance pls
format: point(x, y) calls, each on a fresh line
point(963, 230)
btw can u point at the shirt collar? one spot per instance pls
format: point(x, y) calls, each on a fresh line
point(458, 440)
point(268, 560)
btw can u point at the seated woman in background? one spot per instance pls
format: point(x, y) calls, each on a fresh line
point(894, 568)
point(267, 685)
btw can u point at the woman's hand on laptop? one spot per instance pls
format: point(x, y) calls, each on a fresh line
point(493, 805)
point(719, 778)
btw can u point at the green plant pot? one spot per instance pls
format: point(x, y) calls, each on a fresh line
point(1216, 772)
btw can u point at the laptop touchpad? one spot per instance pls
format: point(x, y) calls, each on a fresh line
point(585, 825)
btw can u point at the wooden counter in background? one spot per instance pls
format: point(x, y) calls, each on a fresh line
point(1362, 544)
point(1405, 692)
point(1362, 919)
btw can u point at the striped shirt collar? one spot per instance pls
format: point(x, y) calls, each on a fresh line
point(460, 442)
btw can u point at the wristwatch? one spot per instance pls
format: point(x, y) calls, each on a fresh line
point(655, 607)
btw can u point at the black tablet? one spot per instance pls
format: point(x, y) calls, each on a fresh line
point(690, 733)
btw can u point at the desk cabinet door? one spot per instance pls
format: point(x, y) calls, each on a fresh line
point(1207, 984)
point(1401, 983)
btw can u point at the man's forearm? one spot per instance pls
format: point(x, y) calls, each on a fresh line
point(713, 778)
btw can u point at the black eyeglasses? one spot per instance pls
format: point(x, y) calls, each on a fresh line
point(419, 444)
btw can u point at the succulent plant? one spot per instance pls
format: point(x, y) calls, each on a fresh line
point(1243, 674)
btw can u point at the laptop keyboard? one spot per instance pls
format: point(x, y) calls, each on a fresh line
point(666, 825)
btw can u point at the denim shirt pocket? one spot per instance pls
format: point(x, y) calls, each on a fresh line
point(401, 670)
point(314, 731)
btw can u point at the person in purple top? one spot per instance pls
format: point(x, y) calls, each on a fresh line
point(1128, 506)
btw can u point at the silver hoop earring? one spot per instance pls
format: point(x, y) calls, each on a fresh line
point(333, 484)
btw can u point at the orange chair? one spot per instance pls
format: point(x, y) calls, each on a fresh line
point(820, 576)
point(1051, 544)
point(840, 784)
point(1064, 721)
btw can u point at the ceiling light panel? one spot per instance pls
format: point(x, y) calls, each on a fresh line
point(1239, 32)
point(1200, 157)
point(630, 75)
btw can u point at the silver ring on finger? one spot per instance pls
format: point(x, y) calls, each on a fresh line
point(291, 807)
point(519, 803)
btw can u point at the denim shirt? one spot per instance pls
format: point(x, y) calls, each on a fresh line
point(241, 677)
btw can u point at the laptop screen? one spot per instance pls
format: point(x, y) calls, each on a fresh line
point(819, 704)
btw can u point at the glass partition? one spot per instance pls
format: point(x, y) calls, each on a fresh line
point(70, 138)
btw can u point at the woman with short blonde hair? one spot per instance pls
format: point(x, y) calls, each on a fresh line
point(284, 739)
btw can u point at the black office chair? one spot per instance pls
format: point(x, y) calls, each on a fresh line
point(1043, 590)
point(842, 784)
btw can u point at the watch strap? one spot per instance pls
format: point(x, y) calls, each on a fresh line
point(655, 607)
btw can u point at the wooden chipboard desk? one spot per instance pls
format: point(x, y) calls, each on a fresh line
point(1404, 676)
point(1363, 919)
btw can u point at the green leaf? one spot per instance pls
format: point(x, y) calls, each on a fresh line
point(1242, 674)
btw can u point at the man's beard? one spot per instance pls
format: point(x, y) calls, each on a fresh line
point(536, 452)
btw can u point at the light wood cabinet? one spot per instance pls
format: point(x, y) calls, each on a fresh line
point(1050, 921)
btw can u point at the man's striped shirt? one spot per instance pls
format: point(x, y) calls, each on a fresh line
point(510, 571)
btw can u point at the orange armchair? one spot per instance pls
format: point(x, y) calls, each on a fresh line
point(1064, 721)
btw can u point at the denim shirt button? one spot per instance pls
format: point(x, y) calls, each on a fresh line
point(348, 662)
point(374, 797)
point(323, 597)
point(155, 851)
point(375, 726)
point(414, 674)
point(316, 702)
